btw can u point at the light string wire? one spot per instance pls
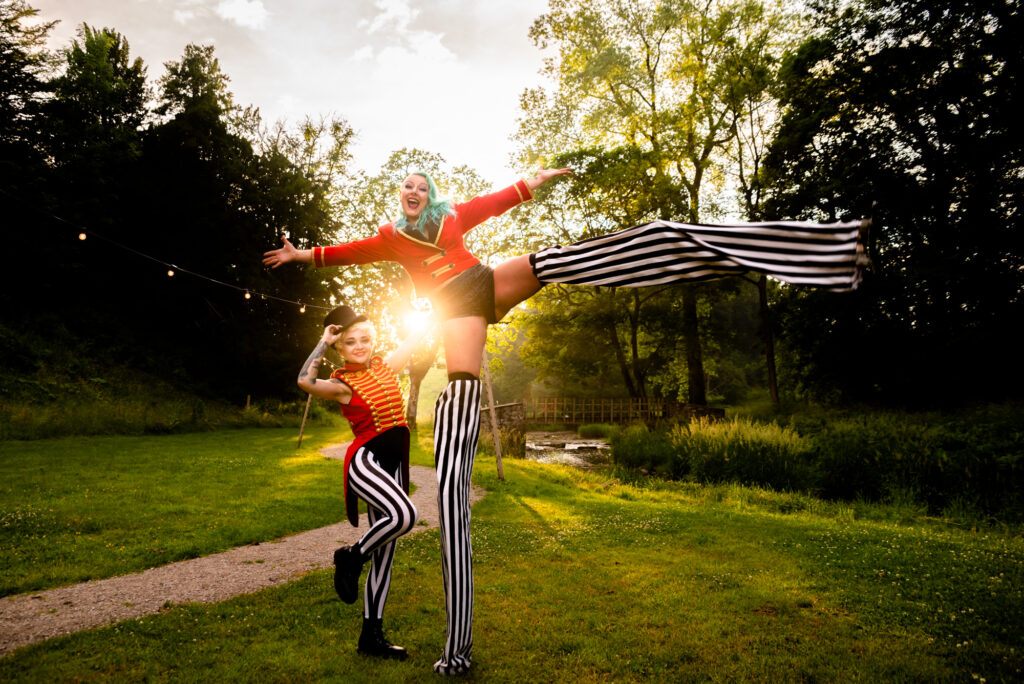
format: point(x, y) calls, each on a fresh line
point(174, 268)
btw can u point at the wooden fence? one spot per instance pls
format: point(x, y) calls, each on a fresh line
point(574, 411)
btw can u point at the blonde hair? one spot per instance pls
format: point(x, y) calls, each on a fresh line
point(360, 325)
point(355, 327)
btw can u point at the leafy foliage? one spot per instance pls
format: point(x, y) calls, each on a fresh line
point(912, 106)
point(969, 462)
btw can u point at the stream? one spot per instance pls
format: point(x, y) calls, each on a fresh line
point(567, 448)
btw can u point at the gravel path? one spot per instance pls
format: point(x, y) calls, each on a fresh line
point(28, 618)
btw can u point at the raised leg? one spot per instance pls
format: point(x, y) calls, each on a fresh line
point(797, 252)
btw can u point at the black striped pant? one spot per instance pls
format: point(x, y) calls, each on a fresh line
point(391, 514)
point(456, 427)
point(826, 255)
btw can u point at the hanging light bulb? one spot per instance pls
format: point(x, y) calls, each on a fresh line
point(247, 295)
point(170, 273)
point(302, 308)
point(81, 236)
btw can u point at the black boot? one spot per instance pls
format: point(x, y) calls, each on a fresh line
point(373, 643)
point(348, 565)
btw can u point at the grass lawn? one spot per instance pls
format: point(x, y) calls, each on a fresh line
point(76, 509)
point(582, 578)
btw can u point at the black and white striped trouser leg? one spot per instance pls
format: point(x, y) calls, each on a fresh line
point(391, 514)
point(801, 253)
point(456, 428)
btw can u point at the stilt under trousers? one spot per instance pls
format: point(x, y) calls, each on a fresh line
point(391, 514)
point(456, 428)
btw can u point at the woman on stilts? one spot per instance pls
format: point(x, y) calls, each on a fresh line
point(427, 240)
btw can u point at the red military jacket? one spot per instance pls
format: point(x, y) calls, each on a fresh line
point(377, 405)
point(431, 264)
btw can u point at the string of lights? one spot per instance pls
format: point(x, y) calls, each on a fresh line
point(85, 233)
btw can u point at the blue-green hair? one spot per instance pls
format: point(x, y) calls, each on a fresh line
point(437, 207)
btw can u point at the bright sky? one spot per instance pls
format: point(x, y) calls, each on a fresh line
point(440, 75)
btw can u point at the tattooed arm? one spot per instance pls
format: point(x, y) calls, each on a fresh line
point(332, 389)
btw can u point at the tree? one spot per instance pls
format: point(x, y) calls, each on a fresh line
point(196, 83)
point(100, 99)
point(913, 106)
point(663, 76)
point(213, 206)
point(24, 65)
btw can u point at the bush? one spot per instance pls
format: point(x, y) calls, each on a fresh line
point(513, 442)
point(596, 431)
point(947, 462)
point(746, 452)
point(637, 448)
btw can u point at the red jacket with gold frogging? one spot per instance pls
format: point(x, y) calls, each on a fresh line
point(377, 405)
point(431, 264)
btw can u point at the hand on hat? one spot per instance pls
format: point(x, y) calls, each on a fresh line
point(333, 333)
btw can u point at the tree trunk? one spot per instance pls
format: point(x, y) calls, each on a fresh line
point(620, 356)
point(418, 368)
point(634, 325)
point(691, 338)
point(769, 340)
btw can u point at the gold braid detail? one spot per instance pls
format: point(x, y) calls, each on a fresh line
point(379, 388)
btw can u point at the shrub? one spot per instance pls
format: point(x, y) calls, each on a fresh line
point(637, 448)
point(596, 431)
point(977, 458)
point(746, 452)
point(513, 442)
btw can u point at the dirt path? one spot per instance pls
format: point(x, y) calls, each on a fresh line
point(28, 618)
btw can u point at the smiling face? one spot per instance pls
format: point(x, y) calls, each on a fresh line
point(414, 195)
point(356, 345)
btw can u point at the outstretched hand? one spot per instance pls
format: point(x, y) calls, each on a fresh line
point(544, 175)
point(283, 255)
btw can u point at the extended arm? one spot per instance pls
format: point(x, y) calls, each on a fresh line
point(325, 389)
point(398, 358)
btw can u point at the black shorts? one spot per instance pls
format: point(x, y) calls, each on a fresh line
point(471, 293)
point(389, 448)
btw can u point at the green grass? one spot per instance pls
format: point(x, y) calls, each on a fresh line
point(582, 578)
point(83, 508)
point(91, 507)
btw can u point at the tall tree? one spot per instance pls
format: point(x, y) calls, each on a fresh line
point(195, 83)
point(659, 75)
point(213, 206)
point(911, 105)
point(24, 65)
point(100, 98)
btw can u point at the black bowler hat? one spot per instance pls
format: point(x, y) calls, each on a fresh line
point(343, 316)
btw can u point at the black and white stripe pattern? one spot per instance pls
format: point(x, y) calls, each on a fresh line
point(456, 428)
point(824, 255)
point(391, 514)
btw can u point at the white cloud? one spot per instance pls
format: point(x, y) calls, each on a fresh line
point(363, 54)
point(184, 16)
point(393, 12)
point(246, 13)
